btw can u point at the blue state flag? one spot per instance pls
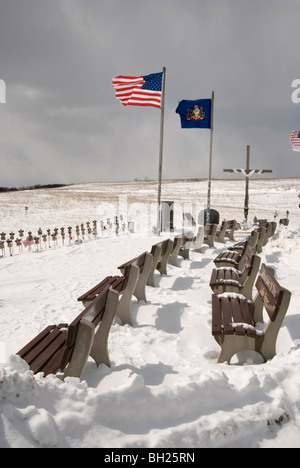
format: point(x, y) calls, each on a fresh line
point(195, 114)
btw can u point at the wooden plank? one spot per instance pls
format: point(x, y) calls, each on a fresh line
point(227, 317)
point(216, 315)
point(42, 358)
point(55, 363)
point(41, 345)
point(34, 342)
point(213, 278)
point(246, 312)
point(92, 291)
point(237, 316)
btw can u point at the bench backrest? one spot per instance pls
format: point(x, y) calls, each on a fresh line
point(138, 261)
point(270, 291)
point(249, 259)
point(93, 313)
point(163, 245)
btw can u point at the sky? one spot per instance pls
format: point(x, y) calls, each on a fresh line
point(61, 122)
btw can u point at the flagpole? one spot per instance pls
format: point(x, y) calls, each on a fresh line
point(162, 108)
point(210, 156)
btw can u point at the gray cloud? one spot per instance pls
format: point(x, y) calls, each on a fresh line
point(62, 123)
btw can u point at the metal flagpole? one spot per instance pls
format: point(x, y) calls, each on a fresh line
point(210, 156)
point(162, 107)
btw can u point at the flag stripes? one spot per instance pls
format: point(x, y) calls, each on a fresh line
point(295, 140)
point(139, 90)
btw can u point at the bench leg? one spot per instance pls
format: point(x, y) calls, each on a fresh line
point(140, 289)
point(162, 265)
point(82, 349)
point(185, 253)
point(123, 308)
point(156, 257)
point(232, 344)
point(99, 351)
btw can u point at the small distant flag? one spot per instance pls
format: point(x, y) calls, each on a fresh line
point(139, 90)
point(295, 140)
point(195, 114)
point(2, 92)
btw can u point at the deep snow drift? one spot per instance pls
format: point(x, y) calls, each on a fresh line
point(164, 388)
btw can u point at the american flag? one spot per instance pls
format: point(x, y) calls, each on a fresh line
point(295, 140)
point(139, 90)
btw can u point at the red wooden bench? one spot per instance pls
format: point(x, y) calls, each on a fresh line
point(234, 319)
point(124, 285)
point(66, 347)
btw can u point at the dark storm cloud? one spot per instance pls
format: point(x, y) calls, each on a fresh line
point(62, 123)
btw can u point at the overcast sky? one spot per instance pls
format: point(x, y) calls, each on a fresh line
point(62, 123)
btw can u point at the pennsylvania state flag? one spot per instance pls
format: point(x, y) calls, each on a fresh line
point(195, 114)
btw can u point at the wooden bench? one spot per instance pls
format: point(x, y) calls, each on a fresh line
point(261, 234)
point(268, 227)
point(228, 279)
point(66, 347)
point(251, 239)
point(220, 233)
point(232, 258)
point(209, 234)
point(231, 226)
point(143, 262)
point(284, 221)
point(192, 242)
point(124, 285)
point(160, 253)
point(234, 320)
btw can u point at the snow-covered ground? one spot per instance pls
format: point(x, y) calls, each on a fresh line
point(164, 388)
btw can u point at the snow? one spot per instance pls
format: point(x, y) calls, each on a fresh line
point(164, 388)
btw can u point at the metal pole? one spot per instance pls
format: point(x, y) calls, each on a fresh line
point(246, 207)
point(210, 156)
point(162, 108)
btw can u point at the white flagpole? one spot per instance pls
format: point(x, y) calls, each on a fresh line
point(210, 156)
point(162, 108)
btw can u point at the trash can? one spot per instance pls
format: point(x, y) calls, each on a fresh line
point(214, 216)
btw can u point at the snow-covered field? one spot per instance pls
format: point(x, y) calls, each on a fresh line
point(164, 388)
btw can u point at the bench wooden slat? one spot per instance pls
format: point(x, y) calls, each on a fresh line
point(44, 357)
point(226, 312)
point(40, 342)
point(138, 261)
point(216, 317)
point(55, 364)
point(100, 285)
point(35, 341)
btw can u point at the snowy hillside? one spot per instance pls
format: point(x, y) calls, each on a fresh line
point(164, 388)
